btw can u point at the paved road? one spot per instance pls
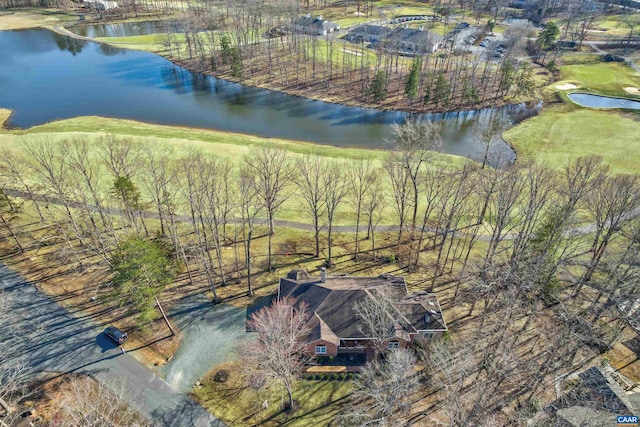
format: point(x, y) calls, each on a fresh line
point(210, 336)
point(60, 342)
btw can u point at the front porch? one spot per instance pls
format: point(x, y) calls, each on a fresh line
point(345, 362)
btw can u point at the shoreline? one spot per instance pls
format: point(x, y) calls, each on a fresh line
point(301, 93)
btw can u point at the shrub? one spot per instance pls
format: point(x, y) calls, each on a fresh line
point(607, 57)
point(221, 376)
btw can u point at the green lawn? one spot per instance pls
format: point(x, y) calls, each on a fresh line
point(232, 143)
point(590, 73)
point(238, 405)
point(563, 132)
point(224, 144)
point(148, 43)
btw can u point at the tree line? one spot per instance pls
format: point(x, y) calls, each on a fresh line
point(512, 241)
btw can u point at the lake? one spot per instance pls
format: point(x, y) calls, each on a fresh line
point(45, 76)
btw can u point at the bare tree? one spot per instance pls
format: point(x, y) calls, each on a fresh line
point(334, 181)
point(374, 205)
point(85, 402)
point(488, 135)
point(376, 317)
point(361, 177)
point(279, 354)
point(250, 206)
point(273, 173)
point(609, 205)
point(17, 168)
point(52, 171)
point(13, 369)
point(414, 144)
point(450, 366)
point(382, 390)
point(312, 190)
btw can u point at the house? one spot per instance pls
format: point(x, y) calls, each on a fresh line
point(314, 25)
point(413, 41)
point(368, 33)
point(100, 4)
point(593, 397)
point(334, 324)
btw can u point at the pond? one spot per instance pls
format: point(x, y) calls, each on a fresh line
point(124, 29)
point(598, 101)
point(45, 76)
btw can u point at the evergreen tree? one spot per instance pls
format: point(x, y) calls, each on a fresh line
point(441, 90)
point(379, 86)
point(141, 268)
point(413, 79)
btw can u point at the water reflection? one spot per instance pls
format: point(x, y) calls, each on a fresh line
point(125, 29)
point(69, 44)
point(40, 82)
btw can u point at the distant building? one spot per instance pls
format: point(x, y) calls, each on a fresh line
point(314, 25)
point(100, 4)
point(368, 33)
point(413, 41)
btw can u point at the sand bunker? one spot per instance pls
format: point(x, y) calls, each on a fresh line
point(566, 86)
point(632, 90)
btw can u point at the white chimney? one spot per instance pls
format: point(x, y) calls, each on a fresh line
point(323, 274)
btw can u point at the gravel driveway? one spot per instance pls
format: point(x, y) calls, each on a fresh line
point(210, 336)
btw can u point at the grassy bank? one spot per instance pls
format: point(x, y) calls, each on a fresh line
point(4, 116)
point(17, 19)
point(562, 132)
point(226, 143)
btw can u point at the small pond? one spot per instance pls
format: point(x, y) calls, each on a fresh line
point(598, 101)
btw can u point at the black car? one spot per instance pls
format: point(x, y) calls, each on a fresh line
point(116, 335)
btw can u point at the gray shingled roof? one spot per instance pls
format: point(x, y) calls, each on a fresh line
point(373, 30)
point(332, 302)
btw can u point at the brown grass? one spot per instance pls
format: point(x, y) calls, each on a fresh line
point(17, 19)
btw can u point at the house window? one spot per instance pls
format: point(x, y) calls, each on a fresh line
point(393, 345)
point(428, 334)
point(321, 349)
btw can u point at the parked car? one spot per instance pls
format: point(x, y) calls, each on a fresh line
point(116, 335)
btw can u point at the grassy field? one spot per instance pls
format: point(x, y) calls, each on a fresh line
point(563, 132)
point(590, 73)
point(17, 19)
point(231, 144)
point(224, 144)
point(238, 405)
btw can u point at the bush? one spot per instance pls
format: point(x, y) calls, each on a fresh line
point(607, 57)
point(221, 376)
